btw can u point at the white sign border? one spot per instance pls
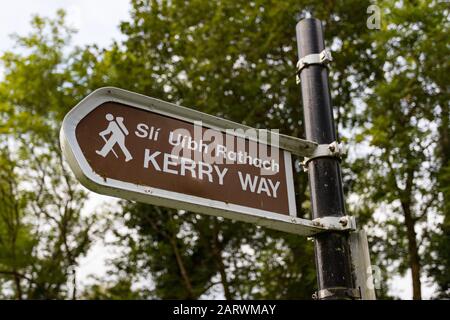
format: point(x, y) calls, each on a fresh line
point(107, 186)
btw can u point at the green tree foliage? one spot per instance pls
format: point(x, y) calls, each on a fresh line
point(389, 88)
point(405, 123)
point(42, 233)
point(236, 60)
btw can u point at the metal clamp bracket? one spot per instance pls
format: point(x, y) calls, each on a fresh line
point(322, 58)
point(340, 292)
point(332, 150)
point(344, 223)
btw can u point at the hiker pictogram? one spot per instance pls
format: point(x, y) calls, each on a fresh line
point(118, 132)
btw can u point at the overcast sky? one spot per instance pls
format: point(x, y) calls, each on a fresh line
point(97, 22)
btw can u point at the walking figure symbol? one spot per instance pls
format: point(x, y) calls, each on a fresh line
point(118, 132)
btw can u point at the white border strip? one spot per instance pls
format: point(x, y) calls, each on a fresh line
point(290, 184)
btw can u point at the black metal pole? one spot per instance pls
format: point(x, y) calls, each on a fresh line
point(332, 253)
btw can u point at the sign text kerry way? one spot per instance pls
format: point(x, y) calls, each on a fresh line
point(139, 148)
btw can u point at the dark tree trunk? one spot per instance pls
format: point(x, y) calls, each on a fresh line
point(223, 279)
point(414, 260)
point(219, 260)
point(183, 272)
point(18, 287)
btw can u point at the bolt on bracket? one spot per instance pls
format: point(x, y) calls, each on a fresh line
point(344, 223)
point(332, 150)
point(322, 58)
point(349, 293)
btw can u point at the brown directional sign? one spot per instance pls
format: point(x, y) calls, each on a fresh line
point(127, 145)
point(151, 161)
